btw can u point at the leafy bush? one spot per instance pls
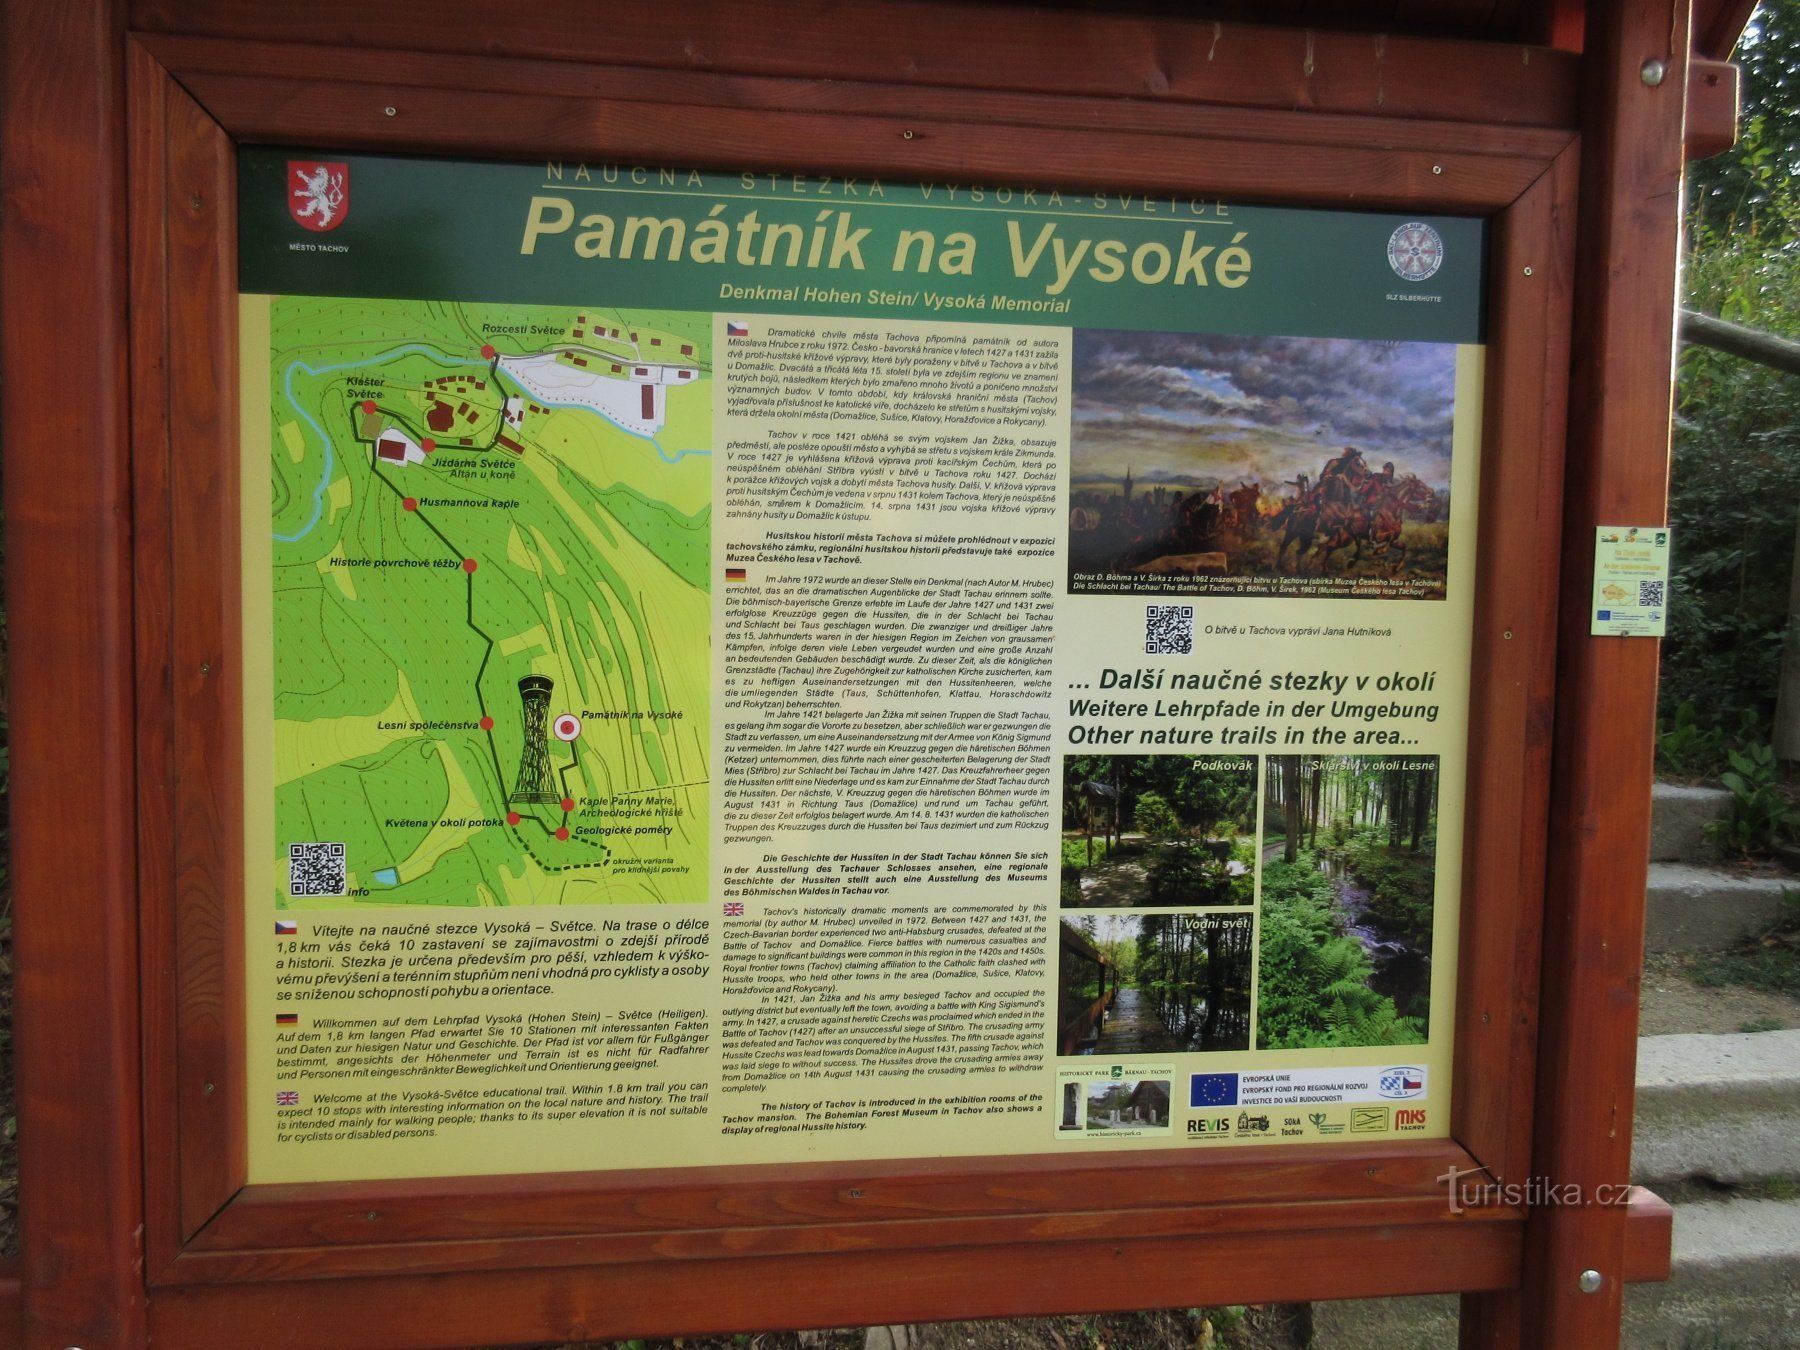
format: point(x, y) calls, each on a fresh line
point(1760, 816)
point(1155, 818)
point(1075, 852)
point(1193, 874)
point(1313, 985)
point(1688, 749)
point(1074, 859)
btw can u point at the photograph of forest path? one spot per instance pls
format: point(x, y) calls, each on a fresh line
point(1149, 830)
point(1211, 464)
point(1349, 853)
point(1150, 984)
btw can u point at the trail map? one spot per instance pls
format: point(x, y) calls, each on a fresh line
point(491, 537)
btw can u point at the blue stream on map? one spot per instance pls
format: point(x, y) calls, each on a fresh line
point(287, 389)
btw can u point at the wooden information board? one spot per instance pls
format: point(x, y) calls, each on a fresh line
point(536, 475)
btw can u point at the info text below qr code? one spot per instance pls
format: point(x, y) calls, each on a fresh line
point(1650, 593)
point(1168, 630)
point(317, 869)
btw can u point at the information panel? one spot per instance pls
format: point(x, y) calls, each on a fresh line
point(755, 668)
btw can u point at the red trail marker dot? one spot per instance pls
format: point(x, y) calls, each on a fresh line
point(428, 445)
point(487, 351)
point(487, 724)
point(568, 803)
point(410, 504)
point(368, 405)
point(513, 817)
point(469, 564)
point(562, 831)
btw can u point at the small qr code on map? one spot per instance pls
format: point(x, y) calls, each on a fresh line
point(317, 869)
point(1168, 630)
point(1650, 592)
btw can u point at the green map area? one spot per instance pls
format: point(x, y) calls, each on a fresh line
point(491, 542)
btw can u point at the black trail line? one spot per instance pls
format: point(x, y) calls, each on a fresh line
point(487, 653)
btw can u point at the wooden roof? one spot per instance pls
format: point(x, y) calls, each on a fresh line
point(1716, 26)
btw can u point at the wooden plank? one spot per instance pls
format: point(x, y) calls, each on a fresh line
point(183, 281)
point(354, 117)
point(68, 494)
point(12, 1328)
point(1446, 13)
point(1531, 277)
point(1717, 26)
point(701, 1199)
point(1013, 1239)
point(1649, 1237)
point(1713, 100)
point(943, 44)
point(1606, 696)
point(189, 59)
point(725, 1296)
point(207, 701)
point(148, 96)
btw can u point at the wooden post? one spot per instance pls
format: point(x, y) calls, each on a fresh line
point(68, 510)
point(1625, 305)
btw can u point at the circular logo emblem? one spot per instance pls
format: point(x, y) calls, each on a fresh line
point(1415, 251)
point(566, 727)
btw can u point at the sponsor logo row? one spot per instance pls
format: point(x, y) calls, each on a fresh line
point(1320, 1124)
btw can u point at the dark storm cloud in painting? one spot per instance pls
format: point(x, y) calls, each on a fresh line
point(1191, 409)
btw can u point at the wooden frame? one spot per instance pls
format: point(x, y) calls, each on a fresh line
point(1397, 124)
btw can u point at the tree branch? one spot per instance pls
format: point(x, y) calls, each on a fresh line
point(1733, 338)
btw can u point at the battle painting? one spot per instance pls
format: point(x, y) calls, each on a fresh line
point(1260, 466)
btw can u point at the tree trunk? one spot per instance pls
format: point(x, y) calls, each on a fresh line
point(1215, 991)
point(1290, 792)
point(1785, 736)
point(1421, 808)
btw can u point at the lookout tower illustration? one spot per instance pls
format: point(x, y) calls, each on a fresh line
point(535, 787)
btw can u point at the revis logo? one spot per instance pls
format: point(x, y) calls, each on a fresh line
point(1401, 1082)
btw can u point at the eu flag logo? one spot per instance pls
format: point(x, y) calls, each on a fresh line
point(1213, 1089)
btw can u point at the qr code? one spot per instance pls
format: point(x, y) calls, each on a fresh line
point(1650, 592)
point(1168, 630)
point(317, 869)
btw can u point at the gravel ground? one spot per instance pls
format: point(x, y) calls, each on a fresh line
point(1671, 1003)
point(1270, 1327)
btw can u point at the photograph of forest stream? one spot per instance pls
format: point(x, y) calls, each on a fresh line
point(1349, 849)
point(1150, 984)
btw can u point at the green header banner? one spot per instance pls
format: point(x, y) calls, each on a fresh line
point(329, 224)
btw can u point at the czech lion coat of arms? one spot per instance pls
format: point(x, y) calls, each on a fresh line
point(318, 193)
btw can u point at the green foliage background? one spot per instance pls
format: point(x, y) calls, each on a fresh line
point(1735, 484)
point(1187, 792)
